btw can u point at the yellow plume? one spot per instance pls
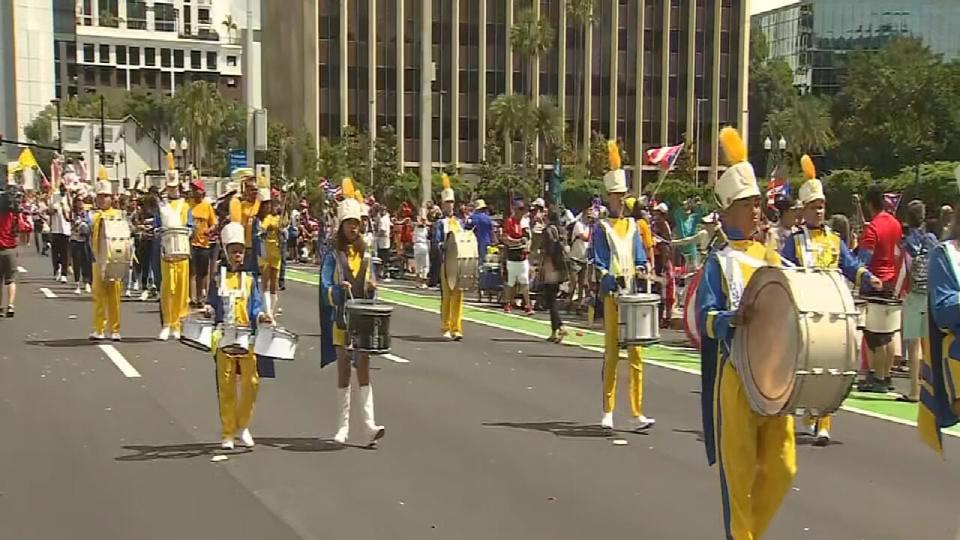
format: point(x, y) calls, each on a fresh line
point(613, 154)
point(348, 189)
point(358, 196)
point(732, 145)
point(809, 170)
point(445, 180)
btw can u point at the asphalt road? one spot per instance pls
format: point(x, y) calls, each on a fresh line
point(488, 438)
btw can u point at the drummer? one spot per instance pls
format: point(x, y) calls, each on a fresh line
point(232, 283)
point(174, 274)
point(815, 245)
point(106, 294)
point(346, 273)
point(757, 454)
point(620, 258)
point(269, 228)
point(244, 210)
point(451, 299)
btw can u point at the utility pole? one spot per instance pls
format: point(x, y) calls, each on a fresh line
point(426, 100)
point(251, 101)
point(103, 142)
point(56, 101)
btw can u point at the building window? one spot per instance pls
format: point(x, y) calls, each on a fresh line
point(204, 15)
point(150, 56)
point(196, 60)
point(211, 60)
point(88, 53)
point(164, 57)
point(122, 78)
point(178, 58)
point(104, 54)
point(231, 82)
point(151, 79)
point(232, 61)
point(134, 56)
point(135, 77)
point(121, 55)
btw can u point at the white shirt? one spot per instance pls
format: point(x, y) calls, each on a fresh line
point(295, 218)
point(383, 232)
point(59, 224)
point(420, 235)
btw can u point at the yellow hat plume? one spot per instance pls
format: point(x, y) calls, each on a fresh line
point(348, 189)
point(613, 154)
point(732, 145)
point(809, 170)
point(445, 180)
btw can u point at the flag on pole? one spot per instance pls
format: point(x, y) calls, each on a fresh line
point(26, 159)
point(56, 172)
point(777, 188)
point(892, 201)
point(664, 157)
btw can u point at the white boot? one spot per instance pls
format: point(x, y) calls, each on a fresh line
point(343, 421)
point(268, 304)
point(276, 305)
point(371, 431)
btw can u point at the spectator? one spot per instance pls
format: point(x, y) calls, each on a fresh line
point(918, 246)
point(710, 235)
point(579, 247)
point(517, 239)
point(382, 230)
point(841, 225)
point(663, 261)
point(946, 222)
point(553, 273)
point(421, 251)
point(80, 247)
point(9, 223)
point(788, 212)
point(481, 225)
point(687, 218)
point(60, 233)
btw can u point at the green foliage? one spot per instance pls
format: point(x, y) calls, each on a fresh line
point(806, 126)
point(898, 106)
point(531, 36)
point(405, 188)
point(279, 144)
point(674, 191)
point(936, 184)
point(771, 89)
point(308, 154)
point(386, 164)
point(578, 192)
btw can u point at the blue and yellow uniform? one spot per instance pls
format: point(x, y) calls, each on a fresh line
point(618, 254)
point(175, 277)
point(451, 299)
point(757, 454)
point(823, 248)
point(106, 294)
point(247, 307)
point(337, 267)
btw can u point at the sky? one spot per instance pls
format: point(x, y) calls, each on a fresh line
point(757, 6)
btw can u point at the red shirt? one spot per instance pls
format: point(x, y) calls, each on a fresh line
point(881, 237)
point(8, 236)
point(513, 229)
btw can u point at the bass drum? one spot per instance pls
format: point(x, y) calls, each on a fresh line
point(460, 260)
point(116, 249)
point(797, 354)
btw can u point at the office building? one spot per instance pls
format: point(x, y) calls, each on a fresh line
point(26, 63)
point(812, 36)
point(659, 71)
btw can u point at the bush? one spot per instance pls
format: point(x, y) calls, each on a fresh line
point(840, 187)
point(577, 193)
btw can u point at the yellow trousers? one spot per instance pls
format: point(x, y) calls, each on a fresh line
point(235, 415)
point(821, 422)
point(174, 292)
point(758, 459)
point(106, 303)
point(451, 307)
point(611, 357)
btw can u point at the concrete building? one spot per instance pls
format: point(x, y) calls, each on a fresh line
point(26, 63)
point(129, 151)
point(110, 46)
point(660, 71)
point(813, 35)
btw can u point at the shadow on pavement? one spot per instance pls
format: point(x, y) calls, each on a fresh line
point(422, 339)
point(567, 356)
point(197, 450)
point(695, 432)
point(558, 428)
point(519, 340)
point(83, 342)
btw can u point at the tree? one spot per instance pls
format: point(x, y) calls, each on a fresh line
point(899, 107)
point(510, 116)
point(308, 154)
point(231, 26)
point(581, 12)
point(548, 126)
point(806, 125)
point(199, 113)
point(771, 89)
point(531, 36)
point(154, 113)
point(386, 163)
point(280, 141)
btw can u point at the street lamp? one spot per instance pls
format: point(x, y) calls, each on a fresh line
point(782, 143)
point(183, 152)
point(173, 144)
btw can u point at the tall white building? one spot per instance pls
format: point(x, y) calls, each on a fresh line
point(26, 63)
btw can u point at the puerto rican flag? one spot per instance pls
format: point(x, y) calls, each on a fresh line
point(777, 187)
point(892, 201)
point(664, 157)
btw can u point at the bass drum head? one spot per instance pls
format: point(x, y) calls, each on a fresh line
point(769, 344)
point(451, 268)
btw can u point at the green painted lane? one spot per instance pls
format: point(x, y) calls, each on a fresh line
point(882, 406)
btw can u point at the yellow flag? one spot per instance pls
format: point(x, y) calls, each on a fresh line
point(26, 159)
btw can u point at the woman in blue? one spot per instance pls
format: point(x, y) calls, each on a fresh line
point(346, 273)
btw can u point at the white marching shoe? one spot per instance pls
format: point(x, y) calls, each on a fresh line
point(371, 431)
point(175, 334)
point(343, 420)
point(247, 438)
point(606, 421)
point(641, 423)
point(226, 444)
point(164, 334)
point(823, 438)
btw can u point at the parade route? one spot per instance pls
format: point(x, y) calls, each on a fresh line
point(494, 437)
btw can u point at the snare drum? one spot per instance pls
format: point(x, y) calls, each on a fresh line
point(798, 352)
point(235, 340)
point(368, 326)
point(460, 260)
point(175, 244)
point(883, 315)
point(639, 322)
point(276, 343)
point(198, 332)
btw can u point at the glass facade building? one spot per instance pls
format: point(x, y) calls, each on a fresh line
point(813, 35)
point(658, 72)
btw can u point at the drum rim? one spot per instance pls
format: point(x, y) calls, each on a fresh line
point(889, 302)
point(639, 298)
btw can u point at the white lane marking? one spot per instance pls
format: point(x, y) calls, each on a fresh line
point(396, 359)
point(47, 292)
point(21, 269)
point(118, 360)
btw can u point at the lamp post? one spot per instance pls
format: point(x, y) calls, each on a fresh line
point(56, 101)
point(767, 147)
point(184, 146)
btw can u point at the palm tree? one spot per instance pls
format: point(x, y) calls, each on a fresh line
point(230, 25)
point(200, 113)
point(531, 36)
point(806, 125)
point(581, 11)
point(510, 116)
point(548, 126)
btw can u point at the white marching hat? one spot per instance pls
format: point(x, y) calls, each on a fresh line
point(104, 188)
point(738, 181)
point(447, 195)
point(812, 189)
point(232, 233)
point(615, 181)
point(349, 207)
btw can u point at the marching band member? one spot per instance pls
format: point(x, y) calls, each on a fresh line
point(244, 210)
point(204, 222)
point(233, 289)
point(451, 299)
point(346, 273)
point(106, 294)
point(619, 257)
point(757, 454)
point(815, 245)
point(174, 274)
point(270, 260)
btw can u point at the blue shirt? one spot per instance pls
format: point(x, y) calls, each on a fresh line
point(482, 226)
